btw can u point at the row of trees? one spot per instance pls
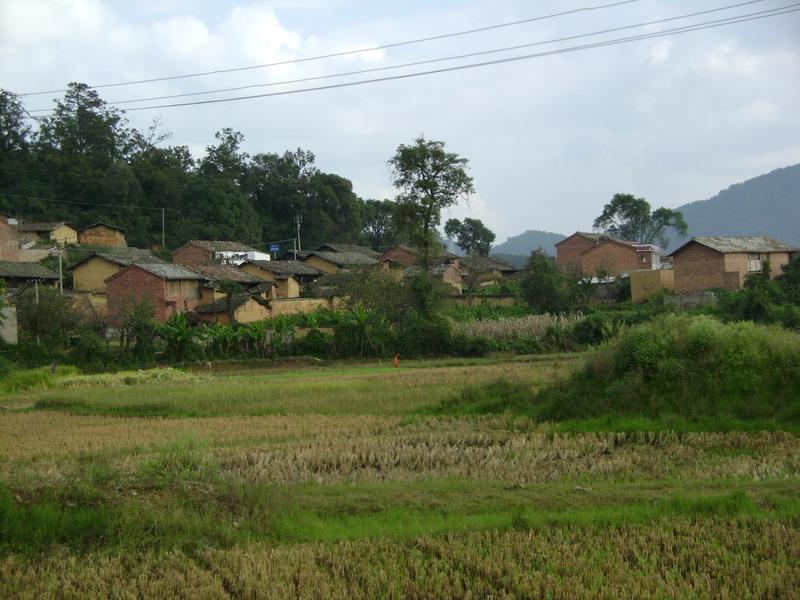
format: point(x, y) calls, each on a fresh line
point(85, 163)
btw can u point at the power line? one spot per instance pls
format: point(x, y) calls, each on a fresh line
point(54, 201)
point(429, 61)
point(357, 51)
point(668, 32)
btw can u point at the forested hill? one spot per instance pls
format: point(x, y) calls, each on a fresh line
point(525, 243)
point(765, 205)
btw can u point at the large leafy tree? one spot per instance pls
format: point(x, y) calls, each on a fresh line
point(471, 235)
point(630, 218)
point(547, 290)
point(378, 227)
point(429, 179)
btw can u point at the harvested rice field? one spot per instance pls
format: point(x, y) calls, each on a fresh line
point(344, 482)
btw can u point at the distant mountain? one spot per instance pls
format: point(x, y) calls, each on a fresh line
point(525, 243)
point(765, 205)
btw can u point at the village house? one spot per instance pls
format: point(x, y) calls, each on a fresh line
point(169, 288)
point(90, 273)
point(595, 253)
point(480, 271)
point(404, 256)
point(210, 252)
point(330, 262)
point(23, 274)
point(218, 276)
point(291, 276)
point(9, 241)
point(102, 234)
point(244, 308)
point(59, 232)
point(705, 263)
point(349, 248)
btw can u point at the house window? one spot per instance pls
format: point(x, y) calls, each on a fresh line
point(644, 259)
point(754, 261)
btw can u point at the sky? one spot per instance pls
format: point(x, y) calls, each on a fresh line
point(549, 140)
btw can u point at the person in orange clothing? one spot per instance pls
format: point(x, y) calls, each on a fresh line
point(396, 361)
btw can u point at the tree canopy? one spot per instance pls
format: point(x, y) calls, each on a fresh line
point(429, 179)
point(629, 218)
point(471, 235)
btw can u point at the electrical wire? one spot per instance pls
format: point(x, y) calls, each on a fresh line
point(424, 62)
point(679, 30)
point(357, 51)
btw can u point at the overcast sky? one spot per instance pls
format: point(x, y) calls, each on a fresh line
point(549, 140)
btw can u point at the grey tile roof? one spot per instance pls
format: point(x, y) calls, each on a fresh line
point(346, 259)
point(727, 245)
point(484, 264)
point(225, 273)
point(222, 246)
point(41, 227)
point(287, 267)
point(170, 271)
point(25, 270)
point(349, 248)
point(221, 305)
point(123, 256)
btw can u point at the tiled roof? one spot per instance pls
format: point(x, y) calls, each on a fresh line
point(346, 259)
point(225, 273)
point(41, 227)
point(169, 271)
point(123, 256)
point(726, 245)
point(483, 264)
point(24, 270)
point(287, 267)
point(101, 224)
point(349, 248)
point(222, 246)
point(221, 305)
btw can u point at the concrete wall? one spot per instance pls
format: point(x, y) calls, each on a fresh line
point(646, 283)
point(91, 275)
point(8, 325)
point(101, 235)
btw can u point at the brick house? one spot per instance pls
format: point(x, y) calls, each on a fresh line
point(102, 234)
point(704, 263)
point(170, 288)
point(218, 275)
point(90, 273)
point(60, 232)
point(9, 241)
point(210, 252)
point(403, 256)
point(590, 253)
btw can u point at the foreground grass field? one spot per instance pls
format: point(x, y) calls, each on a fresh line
point(352, 481)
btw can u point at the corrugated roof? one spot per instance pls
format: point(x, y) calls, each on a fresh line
point(287, 267)
point(727, 245)
point(40, 227)
point(346, 259)
point(25, 270)
point(222, 246)
point(169, 271)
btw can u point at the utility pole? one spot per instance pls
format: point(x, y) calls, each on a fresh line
point(298, 219)
point(163, 237)
point(60, 275)
point(294, 247)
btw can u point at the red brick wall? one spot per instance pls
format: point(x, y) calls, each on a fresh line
point(698, 268)
point(191, 255)
point(128, 287)
point(568, 252)
point(614, 259)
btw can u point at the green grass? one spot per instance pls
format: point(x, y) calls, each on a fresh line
point(228, 513)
